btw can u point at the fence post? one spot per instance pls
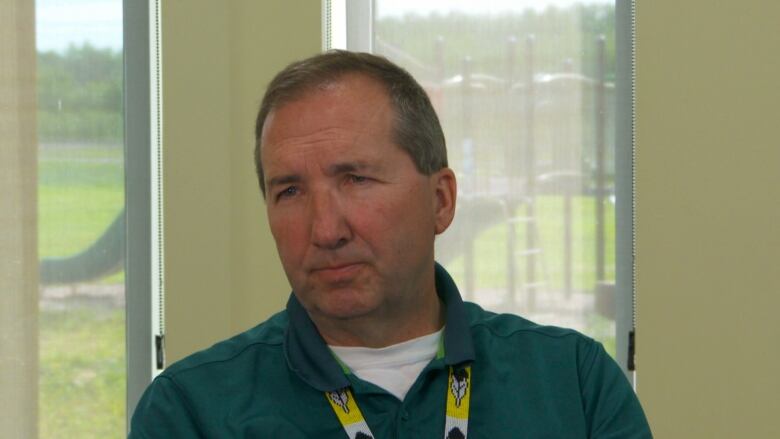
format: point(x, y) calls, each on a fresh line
point(600, 158)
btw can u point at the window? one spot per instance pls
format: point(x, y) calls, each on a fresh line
point(527, 93)
point(64, 162)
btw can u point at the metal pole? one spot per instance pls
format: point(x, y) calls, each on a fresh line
point(511, 205)
point(469, 171)
point(530, 174)
point(438, 56)
point(568, 223)
point(567, 241)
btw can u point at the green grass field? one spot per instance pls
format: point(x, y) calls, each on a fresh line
point(82, 373)
point(80, 192)
point(82, 347)
point(490, 248)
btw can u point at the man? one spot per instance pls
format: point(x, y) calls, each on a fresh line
point(375, 340)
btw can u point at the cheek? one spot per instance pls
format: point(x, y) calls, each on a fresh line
point(397, 223)
point(289, 237)
point(374, 219)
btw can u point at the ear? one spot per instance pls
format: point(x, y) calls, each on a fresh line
point(445, 192)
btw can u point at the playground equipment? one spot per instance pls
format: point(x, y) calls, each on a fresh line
point(559, 162)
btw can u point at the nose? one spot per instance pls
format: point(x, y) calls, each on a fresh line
point(329, 227)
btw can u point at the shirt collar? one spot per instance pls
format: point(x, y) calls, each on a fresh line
point(309, 356)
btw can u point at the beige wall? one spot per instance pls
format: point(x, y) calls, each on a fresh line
point(708, 196)
point(221, 269)
point(708, 217)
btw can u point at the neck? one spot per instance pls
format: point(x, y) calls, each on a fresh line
point(378, 331)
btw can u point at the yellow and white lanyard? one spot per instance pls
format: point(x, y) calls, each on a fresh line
point(456, 426)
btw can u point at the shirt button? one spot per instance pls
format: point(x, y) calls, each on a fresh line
point(404, 415)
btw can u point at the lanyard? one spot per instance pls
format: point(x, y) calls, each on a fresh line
point(456, 426)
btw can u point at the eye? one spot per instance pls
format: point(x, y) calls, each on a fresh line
point(288, 192)
point(357, 179)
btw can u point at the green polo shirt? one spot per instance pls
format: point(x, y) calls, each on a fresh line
point(528, 381)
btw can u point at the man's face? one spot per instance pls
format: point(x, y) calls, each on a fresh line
point(353, 219)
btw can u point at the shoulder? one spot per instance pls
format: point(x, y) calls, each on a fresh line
point(190, 394)
point(234, 351)
point(512, 325)
point(192, 397)
point(508, 337)
point(552, 363)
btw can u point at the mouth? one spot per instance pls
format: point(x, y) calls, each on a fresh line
point(339, 272)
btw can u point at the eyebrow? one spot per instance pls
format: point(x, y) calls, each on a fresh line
point(347, 167)
point(284, 179)
point(334, 169)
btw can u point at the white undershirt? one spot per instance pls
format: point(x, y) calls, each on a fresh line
point(393, 368)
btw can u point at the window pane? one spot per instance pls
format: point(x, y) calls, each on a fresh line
point(525, 92)
point(80, 218)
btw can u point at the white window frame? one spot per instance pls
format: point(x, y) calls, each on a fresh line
point(143, 259)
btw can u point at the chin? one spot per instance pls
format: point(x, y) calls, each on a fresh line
point(343, 305)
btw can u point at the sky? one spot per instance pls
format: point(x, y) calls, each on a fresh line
point(423, 7)
point(59, 23)
point(99, 22)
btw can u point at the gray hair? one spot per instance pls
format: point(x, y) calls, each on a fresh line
point(416, 129)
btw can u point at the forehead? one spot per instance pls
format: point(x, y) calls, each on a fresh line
point(353, 112)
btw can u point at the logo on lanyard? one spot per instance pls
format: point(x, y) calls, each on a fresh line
point(456, 426)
